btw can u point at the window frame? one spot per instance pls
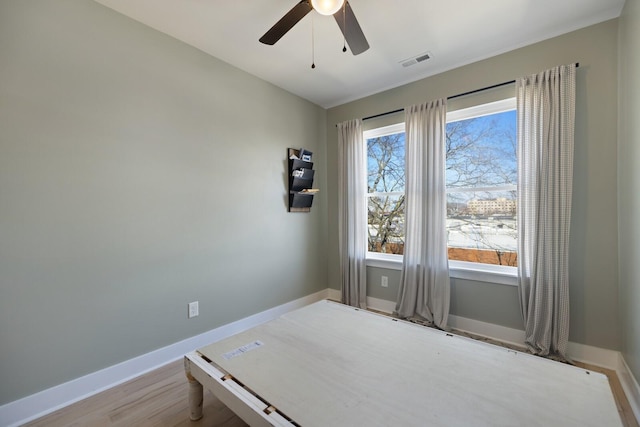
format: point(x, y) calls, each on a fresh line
point(499, 274)
point(376, 133)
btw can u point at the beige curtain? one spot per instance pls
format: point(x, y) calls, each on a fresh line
point(352, 213)
point(546, 115)
point(424, 281)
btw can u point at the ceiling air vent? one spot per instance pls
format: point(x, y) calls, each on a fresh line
point(412, 61)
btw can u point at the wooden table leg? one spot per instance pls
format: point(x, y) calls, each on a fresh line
point(195, 394)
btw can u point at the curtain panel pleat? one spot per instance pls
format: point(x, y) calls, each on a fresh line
point(545, 129)
point(424, 282)
point(352, 213)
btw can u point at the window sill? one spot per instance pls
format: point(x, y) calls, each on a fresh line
point(499, 274)
point(388, 261)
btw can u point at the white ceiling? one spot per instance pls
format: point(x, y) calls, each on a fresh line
point(454, 32)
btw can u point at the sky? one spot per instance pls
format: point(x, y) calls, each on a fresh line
point(488, 161)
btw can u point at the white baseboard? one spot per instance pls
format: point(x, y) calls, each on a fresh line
point(630, 386)
point(488, 330)
point(47, 401)
point(594, 355)
point(382, 305)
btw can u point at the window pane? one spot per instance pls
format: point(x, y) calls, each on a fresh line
point(386, 224)
point(385, 163)
point(481, 151)
point(481, 227)
point(481, 154)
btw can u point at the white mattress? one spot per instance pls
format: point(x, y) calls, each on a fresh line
point(332, 365)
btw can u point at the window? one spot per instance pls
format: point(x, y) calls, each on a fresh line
point(481, 190)
point(385, 189)
point(481, 184)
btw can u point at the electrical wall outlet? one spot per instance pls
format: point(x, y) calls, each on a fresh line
point(193, 309)
point(384, 282)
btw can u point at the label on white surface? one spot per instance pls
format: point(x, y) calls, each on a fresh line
point(242, 350)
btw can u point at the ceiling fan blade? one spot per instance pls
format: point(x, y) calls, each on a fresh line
point(352, 33)
point(287, 22)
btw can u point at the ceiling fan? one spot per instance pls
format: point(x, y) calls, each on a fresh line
point(341, 11)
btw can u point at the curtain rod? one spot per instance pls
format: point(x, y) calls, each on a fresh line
point(471, 92)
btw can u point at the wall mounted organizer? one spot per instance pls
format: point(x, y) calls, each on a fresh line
point(301, 174)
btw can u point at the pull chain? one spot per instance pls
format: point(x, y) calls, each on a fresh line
point(344, 26)
point(313, 47)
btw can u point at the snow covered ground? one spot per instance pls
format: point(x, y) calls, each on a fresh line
point(485, 233)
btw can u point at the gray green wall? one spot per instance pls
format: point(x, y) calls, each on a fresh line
point(594, 242)
point(138, 174)
point(629, 184)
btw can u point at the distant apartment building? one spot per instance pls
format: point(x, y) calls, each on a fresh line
point(492, 206)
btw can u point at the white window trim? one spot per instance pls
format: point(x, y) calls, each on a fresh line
point(508, 187)
point(499, 274)
point(482, 110)
point(383, 131)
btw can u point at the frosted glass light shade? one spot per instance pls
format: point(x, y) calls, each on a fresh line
point(327, 7)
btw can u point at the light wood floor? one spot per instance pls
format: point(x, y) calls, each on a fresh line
point(159, 398)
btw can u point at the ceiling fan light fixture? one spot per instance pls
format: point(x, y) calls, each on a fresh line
point(327, 7)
